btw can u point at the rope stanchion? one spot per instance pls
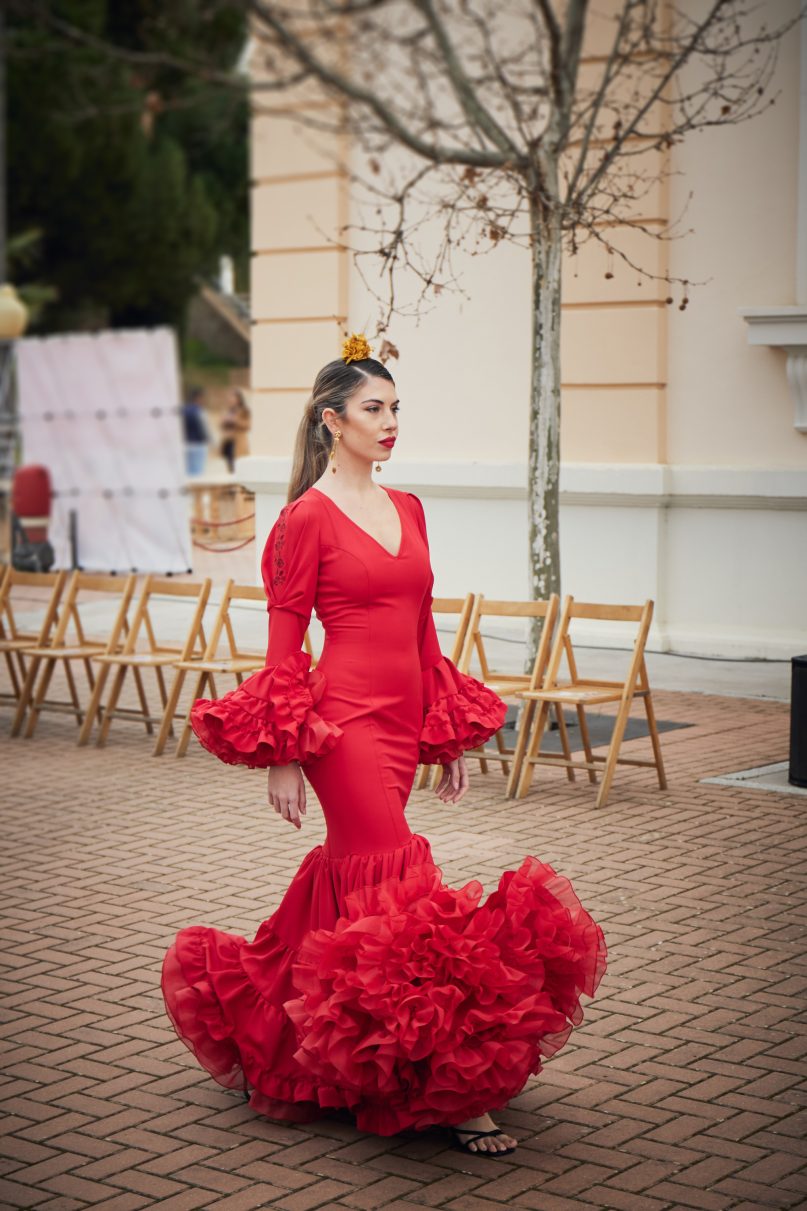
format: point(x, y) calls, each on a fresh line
point(222, 550)
point(235, 521)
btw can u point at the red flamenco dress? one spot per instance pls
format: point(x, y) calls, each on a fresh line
point(374, 986)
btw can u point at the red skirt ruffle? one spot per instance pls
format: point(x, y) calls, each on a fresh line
point(411, 1004)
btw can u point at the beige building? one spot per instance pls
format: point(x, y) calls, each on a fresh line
point(684, 432)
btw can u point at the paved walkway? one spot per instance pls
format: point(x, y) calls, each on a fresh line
point(683, 1088)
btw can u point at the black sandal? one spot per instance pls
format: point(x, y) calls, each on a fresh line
point(477, 1135)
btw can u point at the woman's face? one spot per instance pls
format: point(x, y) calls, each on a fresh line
point(371, 418)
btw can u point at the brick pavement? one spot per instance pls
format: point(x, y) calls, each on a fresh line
point(683, 1088)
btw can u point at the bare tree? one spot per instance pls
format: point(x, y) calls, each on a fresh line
point(483, 122)
point(499, 130)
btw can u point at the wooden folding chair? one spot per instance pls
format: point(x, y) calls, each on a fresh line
point(157, 656)
point(585, 692)
point(70, 643)
point(506, 684)
point(236, 663)
point(463, 608)
point(14, 641)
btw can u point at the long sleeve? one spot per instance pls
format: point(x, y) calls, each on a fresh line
point(459, 712)
point(270, 719)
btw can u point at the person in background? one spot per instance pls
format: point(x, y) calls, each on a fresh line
point(196, 433)
point(235, 426)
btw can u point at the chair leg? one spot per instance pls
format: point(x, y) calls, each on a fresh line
point(160, 678)
point(141, 694)
point(90, 675)
point(502, 747)
point(94, 709)
point(25, 696)
point(170, 710)
point(620, 724)
point(533, 748)
point(12, 673)
point(74, 698)
point(112, 702)
point(583, 721)
point(564, 741)
point(655, 740)
point(18, 676)
point(39, 698)
point(184, 739)
point(527, 712)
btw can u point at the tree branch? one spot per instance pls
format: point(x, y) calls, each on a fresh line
point(472, 107)
point(156, 59)
point(676, 62)
point(339, 82)
point(596, 104)
point(572, 46)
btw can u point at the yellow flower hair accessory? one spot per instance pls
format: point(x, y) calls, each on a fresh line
point(356, 348)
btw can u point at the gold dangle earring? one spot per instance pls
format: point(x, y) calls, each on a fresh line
point(378, 466)
point(332, 454)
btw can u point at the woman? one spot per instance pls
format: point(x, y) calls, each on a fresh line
point(235, 425)
point(373, 987)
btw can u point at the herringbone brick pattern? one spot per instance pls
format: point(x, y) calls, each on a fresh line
point(683, 1088)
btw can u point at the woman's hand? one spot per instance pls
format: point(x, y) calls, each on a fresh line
point(454, 782)
point(286, 791)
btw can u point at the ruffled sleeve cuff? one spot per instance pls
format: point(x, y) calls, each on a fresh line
point(269, 719)
point(460, 713)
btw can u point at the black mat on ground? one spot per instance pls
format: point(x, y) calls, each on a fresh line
point(600, 727)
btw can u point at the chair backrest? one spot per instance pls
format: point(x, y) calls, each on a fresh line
point(224, 620)
point(600, 612)
point(49, 587)
point(485, 607)
point(74, 625)
point(194, 592)
point(463, 608)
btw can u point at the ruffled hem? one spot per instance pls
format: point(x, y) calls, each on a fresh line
point(225, 995)
point(462, 713)
point(269, 719)
point(424, 1006)
point(417, 1005)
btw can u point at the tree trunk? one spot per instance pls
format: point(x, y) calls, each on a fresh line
point(544, 442)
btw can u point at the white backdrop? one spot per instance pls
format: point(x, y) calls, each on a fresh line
point(101, 412)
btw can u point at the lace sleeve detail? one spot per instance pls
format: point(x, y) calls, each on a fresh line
point(278, 550)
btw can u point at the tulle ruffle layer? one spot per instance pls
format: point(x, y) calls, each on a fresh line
point(269, 719)
point(461, 713)
point(419, 1004)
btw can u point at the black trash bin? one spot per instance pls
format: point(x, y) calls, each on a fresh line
point(797, 775)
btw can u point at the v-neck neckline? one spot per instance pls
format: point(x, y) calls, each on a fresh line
point(361, 529)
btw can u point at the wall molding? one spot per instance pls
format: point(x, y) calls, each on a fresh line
point(625, 485)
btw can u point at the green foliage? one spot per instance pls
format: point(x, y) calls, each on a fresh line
point(135, 173)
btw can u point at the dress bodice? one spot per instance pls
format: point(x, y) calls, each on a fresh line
point(381, 664)
point(360, 592)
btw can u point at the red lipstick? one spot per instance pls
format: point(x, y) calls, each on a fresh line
point(387, 441)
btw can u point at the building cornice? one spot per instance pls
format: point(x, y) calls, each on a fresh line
point(784, 328)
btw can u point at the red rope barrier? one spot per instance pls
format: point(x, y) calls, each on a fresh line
point(200, 521)
point(222, 550)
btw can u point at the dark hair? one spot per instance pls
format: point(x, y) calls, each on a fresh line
point(195, 393)
point(333, 386)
